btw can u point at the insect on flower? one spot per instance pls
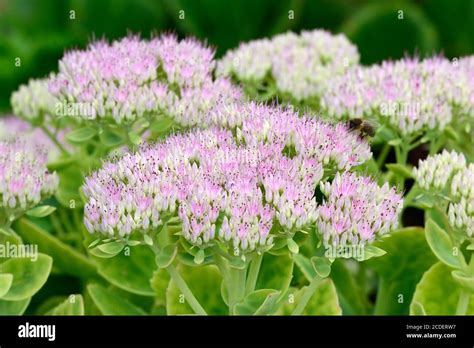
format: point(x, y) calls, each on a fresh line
point(363, 127)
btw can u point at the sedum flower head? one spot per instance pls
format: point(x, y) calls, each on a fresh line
point(33, 101)
point(328, 144)
point(448, 176)
point(231, 185)
point(409, 95)
point(132, 78)
point(461, 211)
point(12, 127)
point(434, 172)
point(460, 86)
point(298, 64)
point(24, 179)
point(357, 210)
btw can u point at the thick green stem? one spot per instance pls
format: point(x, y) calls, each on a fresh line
point(436, 145)
point(219, 261)
point(463, 302)
point(185, 290)
point(55, 140)
point(236, 286)
point(383, 300)
point(308, 293)
point(181, 284)
point(401, 153)
point(253, 273)
point(383, 155)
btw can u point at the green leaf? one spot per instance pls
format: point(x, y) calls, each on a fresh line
point(465, 280)
point(402, 170)
point(323, 302)
point(293, 246)
point(107, 250)
point(6, 280)
point(441, 244)
point(371, 251)
point(28, 276)
point(166, 255)
point(81, 135)
point(199, 257)
point(73, 305)
point(438, 292)
point(417, 308)
point(161, 126)
point(224, 293)
point(70, 181)
point(159, 284)
point(349, 291)
point(321, 265)
point(470, 247)
point(276, 272)
point(66, 258)
point(148, 240)
point(112, 304)
point(14, 307)
point(41, 211)
point(424, 201)
point(395, 142)
point(111, 138)
point(386, 134)
point(130, 270)
point(205, 284)
point(451, 133)
point(60, 164)
point(305, 265)
point(134, 138)
point(258, 302)
point(408, 257)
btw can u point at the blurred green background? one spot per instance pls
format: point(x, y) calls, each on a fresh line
point(38, 31)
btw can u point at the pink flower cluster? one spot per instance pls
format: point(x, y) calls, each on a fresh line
point(134, 78)
point(24, 178)
point(328, 144)
point(410, 95)
point(12, 127)
point(234, 185)
point(357, 210)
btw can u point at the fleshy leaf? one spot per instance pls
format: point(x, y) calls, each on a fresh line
point(166, 255)
point(41, 211)
point(323, 302)
point(131, 270)
point(28, 276)
point(438, 292)
point(81, 135)
point(276, 272)
point(14, 307)
point(205, 284)
point(258, 302)
point(408, 257)
point(73, 305)
point(321, 265)
point(464, 280)
point(111, 304)
point(441, 244)
point(6, 280)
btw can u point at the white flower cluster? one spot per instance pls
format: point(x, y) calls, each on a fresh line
point(449, 174)
point(434, 172)
point(461, 213)
point(33, 101)
point(300, 65)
